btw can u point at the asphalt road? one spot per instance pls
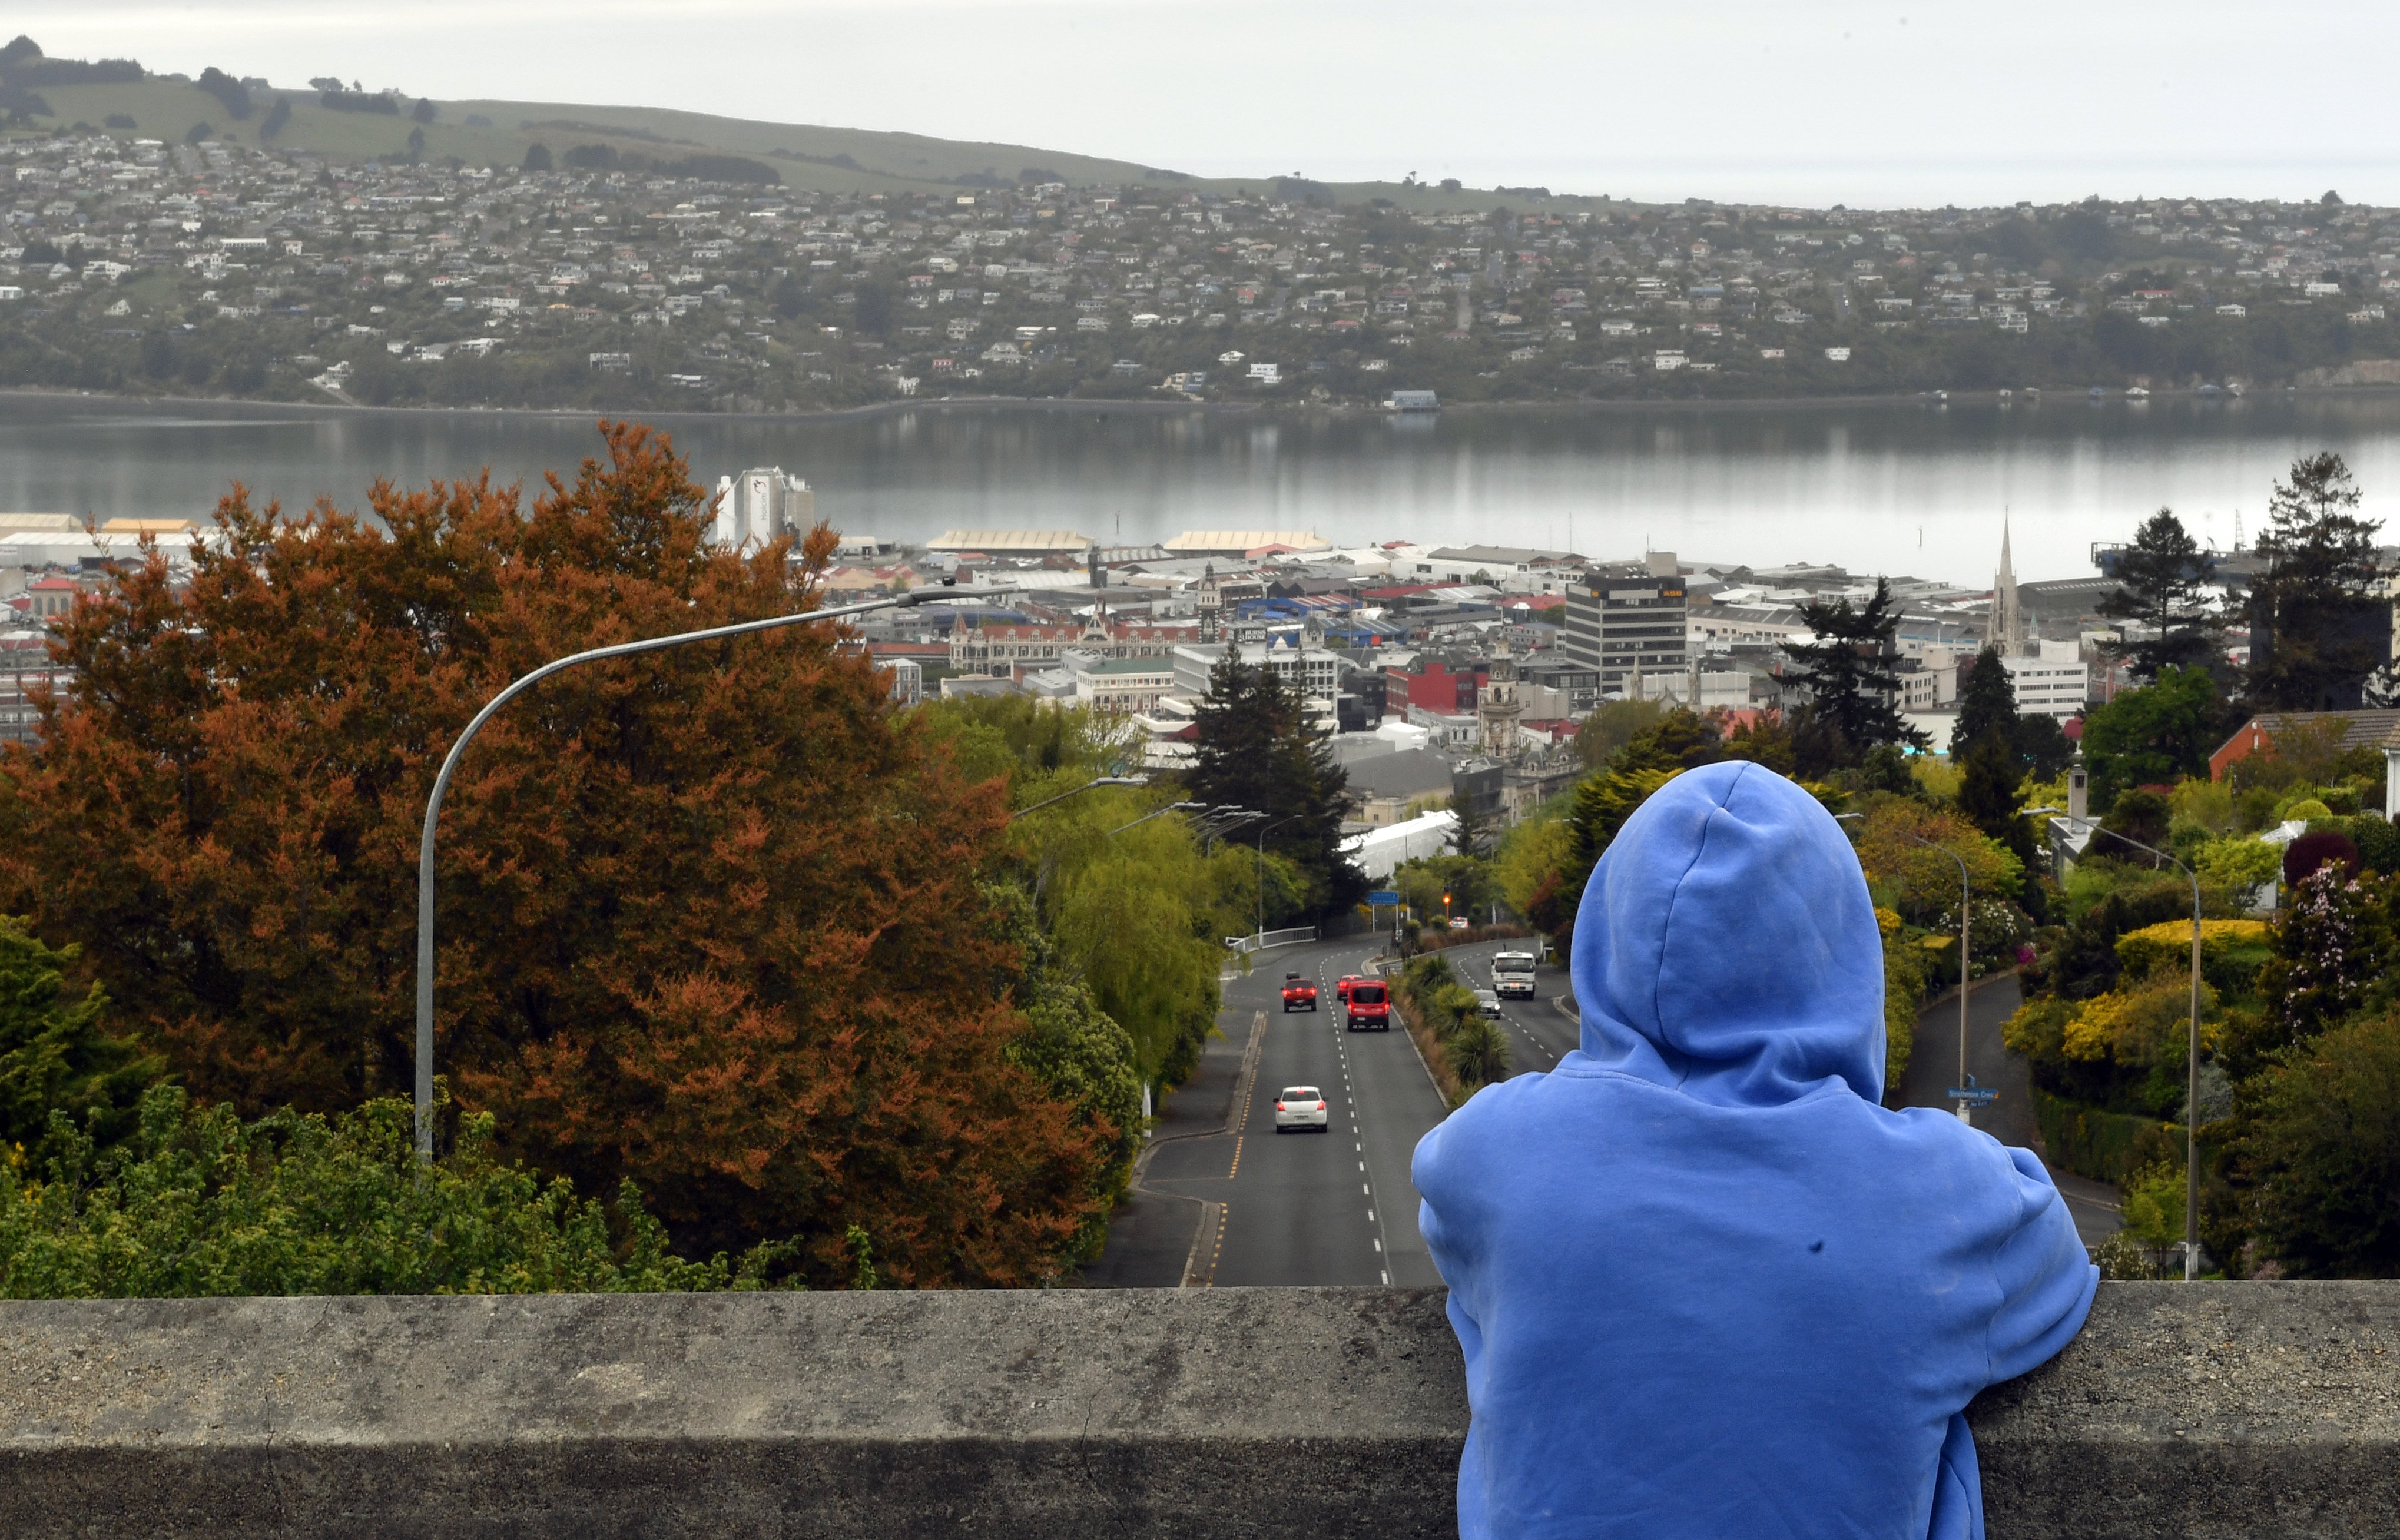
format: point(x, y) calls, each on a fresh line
point(1224, 1199)
point(1933, 1068)
point(1296, 1209)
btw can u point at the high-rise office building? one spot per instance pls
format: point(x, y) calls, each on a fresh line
point(1622, 616)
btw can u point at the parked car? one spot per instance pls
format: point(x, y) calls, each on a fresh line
point(1300, 1107)
point(1298, 994)
point(1368, 1007)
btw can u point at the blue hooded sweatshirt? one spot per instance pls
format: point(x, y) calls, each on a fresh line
point(1705, 1284)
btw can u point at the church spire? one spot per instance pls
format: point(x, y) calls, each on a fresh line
point(2007, 618)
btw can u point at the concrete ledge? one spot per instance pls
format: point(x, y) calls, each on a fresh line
point(2209, 1410)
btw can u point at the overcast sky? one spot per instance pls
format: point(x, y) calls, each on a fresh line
point(1792, 102)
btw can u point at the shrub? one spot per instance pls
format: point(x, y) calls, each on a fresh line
point(1478, 1051)
point(198, 1202)
point(2168, 945)
point(2102, 1146)
point(2319, 848)
point(2322, 1155)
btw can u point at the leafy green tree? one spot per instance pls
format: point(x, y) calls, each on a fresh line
point(2157, 733)
point(196, 1202)
point(1885, 769)
point(55, 1056)
point(2315, 637)
point(1611, 726)
point(1848, 675)
point(1077, 1050)
point(2164, 578)
point(2320, 1154)
point(2043, 746)
point(1252, 748)
point(1679, 739)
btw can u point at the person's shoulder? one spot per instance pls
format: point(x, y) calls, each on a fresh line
point(1930, 1146)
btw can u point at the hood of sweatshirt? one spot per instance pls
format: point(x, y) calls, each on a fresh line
point(1727, 945)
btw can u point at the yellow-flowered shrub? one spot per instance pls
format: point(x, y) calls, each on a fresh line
point(1903, 989)
point(2168, 944)
point(2130, 1026)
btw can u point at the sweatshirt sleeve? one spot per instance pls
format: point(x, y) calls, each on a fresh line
point(2046, 1281)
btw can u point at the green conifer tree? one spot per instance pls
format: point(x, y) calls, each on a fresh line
point(2164, 579)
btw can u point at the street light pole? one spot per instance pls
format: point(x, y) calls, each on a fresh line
point(1088, 785)
point(1966, 972)
point(1171, 807)
point(2191, 1062)
point(459, 749)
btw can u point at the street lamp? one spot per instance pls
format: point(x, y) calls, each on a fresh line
point(1171, 807)
point(459, 749)
point(2191, 1064)
point(1088, 785)
point(1217, 823)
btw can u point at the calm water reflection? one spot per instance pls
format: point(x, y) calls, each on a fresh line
point(1898, 488)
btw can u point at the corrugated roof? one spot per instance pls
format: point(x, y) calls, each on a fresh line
point(1020, 541)
point(1242, 540)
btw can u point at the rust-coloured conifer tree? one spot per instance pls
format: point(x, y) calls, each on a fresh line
point(708, 917)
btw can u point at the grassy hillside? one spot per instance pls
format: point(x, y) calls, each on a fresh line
point(805, 156)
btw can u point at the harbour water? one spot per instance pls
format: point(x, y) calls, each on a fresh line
point(1897, 488)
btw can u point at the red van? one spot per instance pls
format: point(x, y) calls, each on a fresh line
point(1367, 1006)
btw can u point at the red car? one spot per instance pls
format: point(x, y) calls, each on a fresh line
point(1341, 988)
point(1367, 1006)
point(1298, 994)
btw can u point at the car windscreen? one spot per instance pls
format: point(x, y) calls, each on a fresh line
point(1365, 994)
point(1300, 1092)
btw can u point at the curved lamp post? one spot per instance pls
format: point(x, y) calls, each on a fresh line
point(459, 749)
point(1093, 785)
point(1171, 807)
point(2191, 1064)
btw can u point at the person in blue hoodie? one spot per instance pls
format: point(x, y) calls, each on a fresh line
point(1705, 1284)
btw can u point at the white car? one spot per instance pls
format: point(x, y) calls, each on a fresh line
point(1487, 1002)
point(1300, 1107)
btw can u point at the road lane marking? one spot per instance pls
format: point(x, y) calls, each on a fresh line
point(1237, 1158)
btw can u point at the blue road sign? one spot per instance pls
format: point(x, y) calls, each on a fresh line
point(1974, 1096)
point(1383, 900)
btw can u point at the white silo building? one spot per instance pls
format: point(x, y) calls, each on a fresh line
point(759, 506)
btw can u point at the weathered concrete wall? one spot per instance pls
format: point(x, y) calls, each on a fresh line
point(2202, 1410)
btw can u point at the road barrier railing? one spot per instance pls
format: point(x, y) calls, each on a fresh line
point(1293, 936)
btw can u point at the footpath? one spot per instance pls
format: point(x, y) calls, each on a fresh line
point(1153, 1237)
